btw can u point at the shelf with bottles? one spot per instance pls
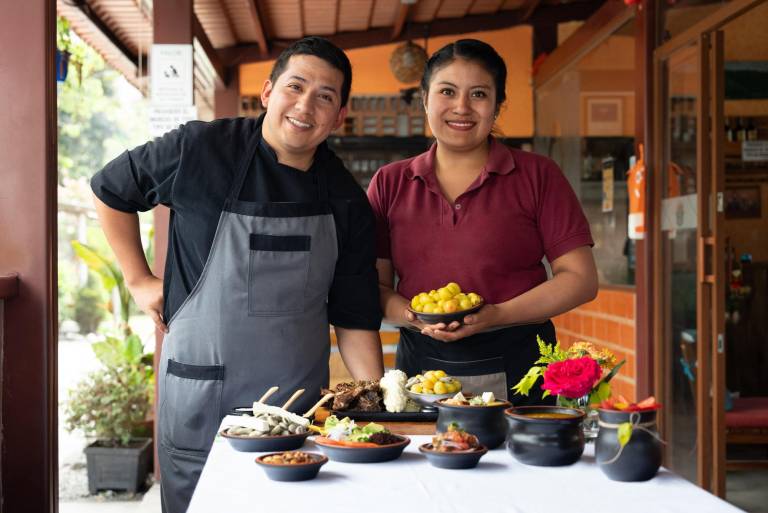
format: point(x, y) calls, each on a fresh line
point(682, 120)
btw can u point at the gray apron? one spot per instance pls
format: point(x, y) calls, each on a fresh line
point(257, 317)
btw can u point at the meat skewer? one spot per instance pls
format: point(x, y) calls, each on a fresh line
point(319, 403)
point(293, 398)
point(267, 394)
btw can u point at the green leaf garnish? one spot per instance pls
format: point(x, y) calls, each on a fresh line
point(624, 433)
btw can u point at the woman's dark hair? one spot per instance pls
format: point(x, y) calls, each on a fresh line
point(470, 50)
point(323, 49)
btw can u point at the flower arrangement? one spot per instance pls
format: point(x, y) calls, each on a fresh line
point(580, 374)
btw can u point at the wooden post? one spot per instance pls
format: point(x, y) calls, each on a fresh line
point(172, 24)
point(28, 452)
point(226, 102)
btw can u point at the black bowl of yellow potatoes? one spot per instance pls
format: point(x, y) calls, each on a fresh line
point(445, 305)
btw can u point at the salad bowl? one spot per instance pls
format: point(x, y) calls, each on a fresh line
point(344, 440)
point(349, 454)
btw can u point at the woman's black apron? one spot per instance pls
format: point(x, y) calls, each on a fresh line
point(492, 361)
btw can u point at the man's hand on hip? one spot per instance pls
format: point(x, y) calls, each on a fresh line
point(148, 294)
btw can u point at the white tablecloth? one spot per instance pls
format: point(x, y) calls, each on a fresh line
point(232, 482)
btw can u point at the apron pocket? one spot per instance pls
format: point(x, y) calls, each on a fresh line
point(476, 376)
point(278, 271)
point(191, 405)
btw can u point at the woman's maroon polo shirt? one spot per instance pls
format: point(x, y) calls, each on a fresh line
point(492, 240)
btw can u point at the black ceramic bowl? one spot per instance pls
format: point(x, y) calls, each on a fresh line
point(265, 443)
point(292, 472)
point(641, 457)
point(364, 454)
point(452, 460)
point(485, 422)
point(546, 442)
point(447, 318)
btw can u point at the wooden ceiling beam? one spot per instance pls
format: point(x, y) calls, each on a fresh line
point(91, 17)
point(545, 14)
point(528, 9)
point(219, 69)
point(227, 19)
point(261, 33)
point(402, 16)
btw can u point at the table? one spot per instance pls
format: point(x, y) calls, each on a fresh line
point(232, 482)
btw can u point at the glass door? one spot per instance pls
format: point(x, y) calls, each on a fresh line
point(689, 276)
point(679, 255)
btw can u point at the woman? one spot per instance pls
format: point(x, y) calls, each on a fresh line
point(472, 211)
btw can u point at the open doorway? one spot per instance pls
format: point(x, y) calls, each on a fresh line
point(745, 226)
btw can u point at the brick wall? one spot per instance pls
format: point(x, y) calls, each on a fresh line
point(608, 321)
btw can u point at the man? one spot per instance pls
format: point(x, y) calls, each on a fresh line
point(270, 239)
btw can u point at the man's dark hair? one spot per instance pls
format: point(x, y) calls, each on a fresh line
point(471, 50)
point(322, 49)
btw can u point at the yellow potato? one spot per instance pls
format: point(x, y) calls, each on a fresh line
point(454, 287)
point(424, 298)
point(439, 374)
point(465, 304)
point(415, 302)
point(440, 388)
point(417, 388)
point(445, 293)
point(450, 306)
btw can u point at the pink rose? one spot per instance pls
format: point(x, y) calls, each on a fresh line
point(571, 378)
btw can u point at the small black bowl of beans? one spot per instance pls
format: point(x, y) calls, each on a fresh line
point(292, 465)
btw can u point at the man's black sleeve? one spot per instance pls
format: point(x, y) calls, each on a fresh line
point(353, 301)
point(141, 178)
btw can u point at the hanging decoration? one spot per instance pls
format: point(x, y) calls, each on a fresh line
point(407, 62)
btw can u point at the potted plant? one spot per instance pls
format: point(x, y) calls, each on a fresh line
point(111, 405)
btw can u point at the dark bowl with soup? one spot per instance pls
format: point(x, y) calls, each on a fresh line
point(547, 436)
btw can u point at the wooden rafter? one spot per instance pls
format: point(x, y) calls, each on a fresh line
point(347, 40)
point(528, 9)
point(402, 16)
point(338, 15)
point(261, 34)
point(370, 14)
point(438, 5)
point(227, 19)
point(218, 67)
point(302, 26)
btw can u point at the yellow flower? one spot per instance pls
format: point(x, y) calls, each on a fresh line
point(604, 357)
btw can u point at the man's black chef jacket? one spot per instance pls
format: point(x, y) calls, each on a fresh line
point(191, 170)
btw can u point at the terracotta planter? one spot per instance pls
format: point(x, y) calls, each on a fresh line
point(118, 468)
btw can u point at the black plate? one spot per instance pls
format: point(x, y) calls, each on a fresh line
point(299, 472)
point(386, 416)
point(447, 318)
point(265, 443)
point(452, 460)
point(364, 454)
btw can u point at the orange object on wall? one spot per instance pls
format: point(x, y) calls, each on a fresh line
point(636, 186)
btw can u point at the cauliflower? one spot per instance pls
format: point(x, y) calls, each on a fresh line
point(393, 386)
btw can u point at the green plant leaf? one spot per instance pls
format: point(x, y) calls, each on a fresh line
point(526, 382)
point(624, 433)
point(601, 393)
point(614, 371)
point(108, 272)
point(545, 394)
